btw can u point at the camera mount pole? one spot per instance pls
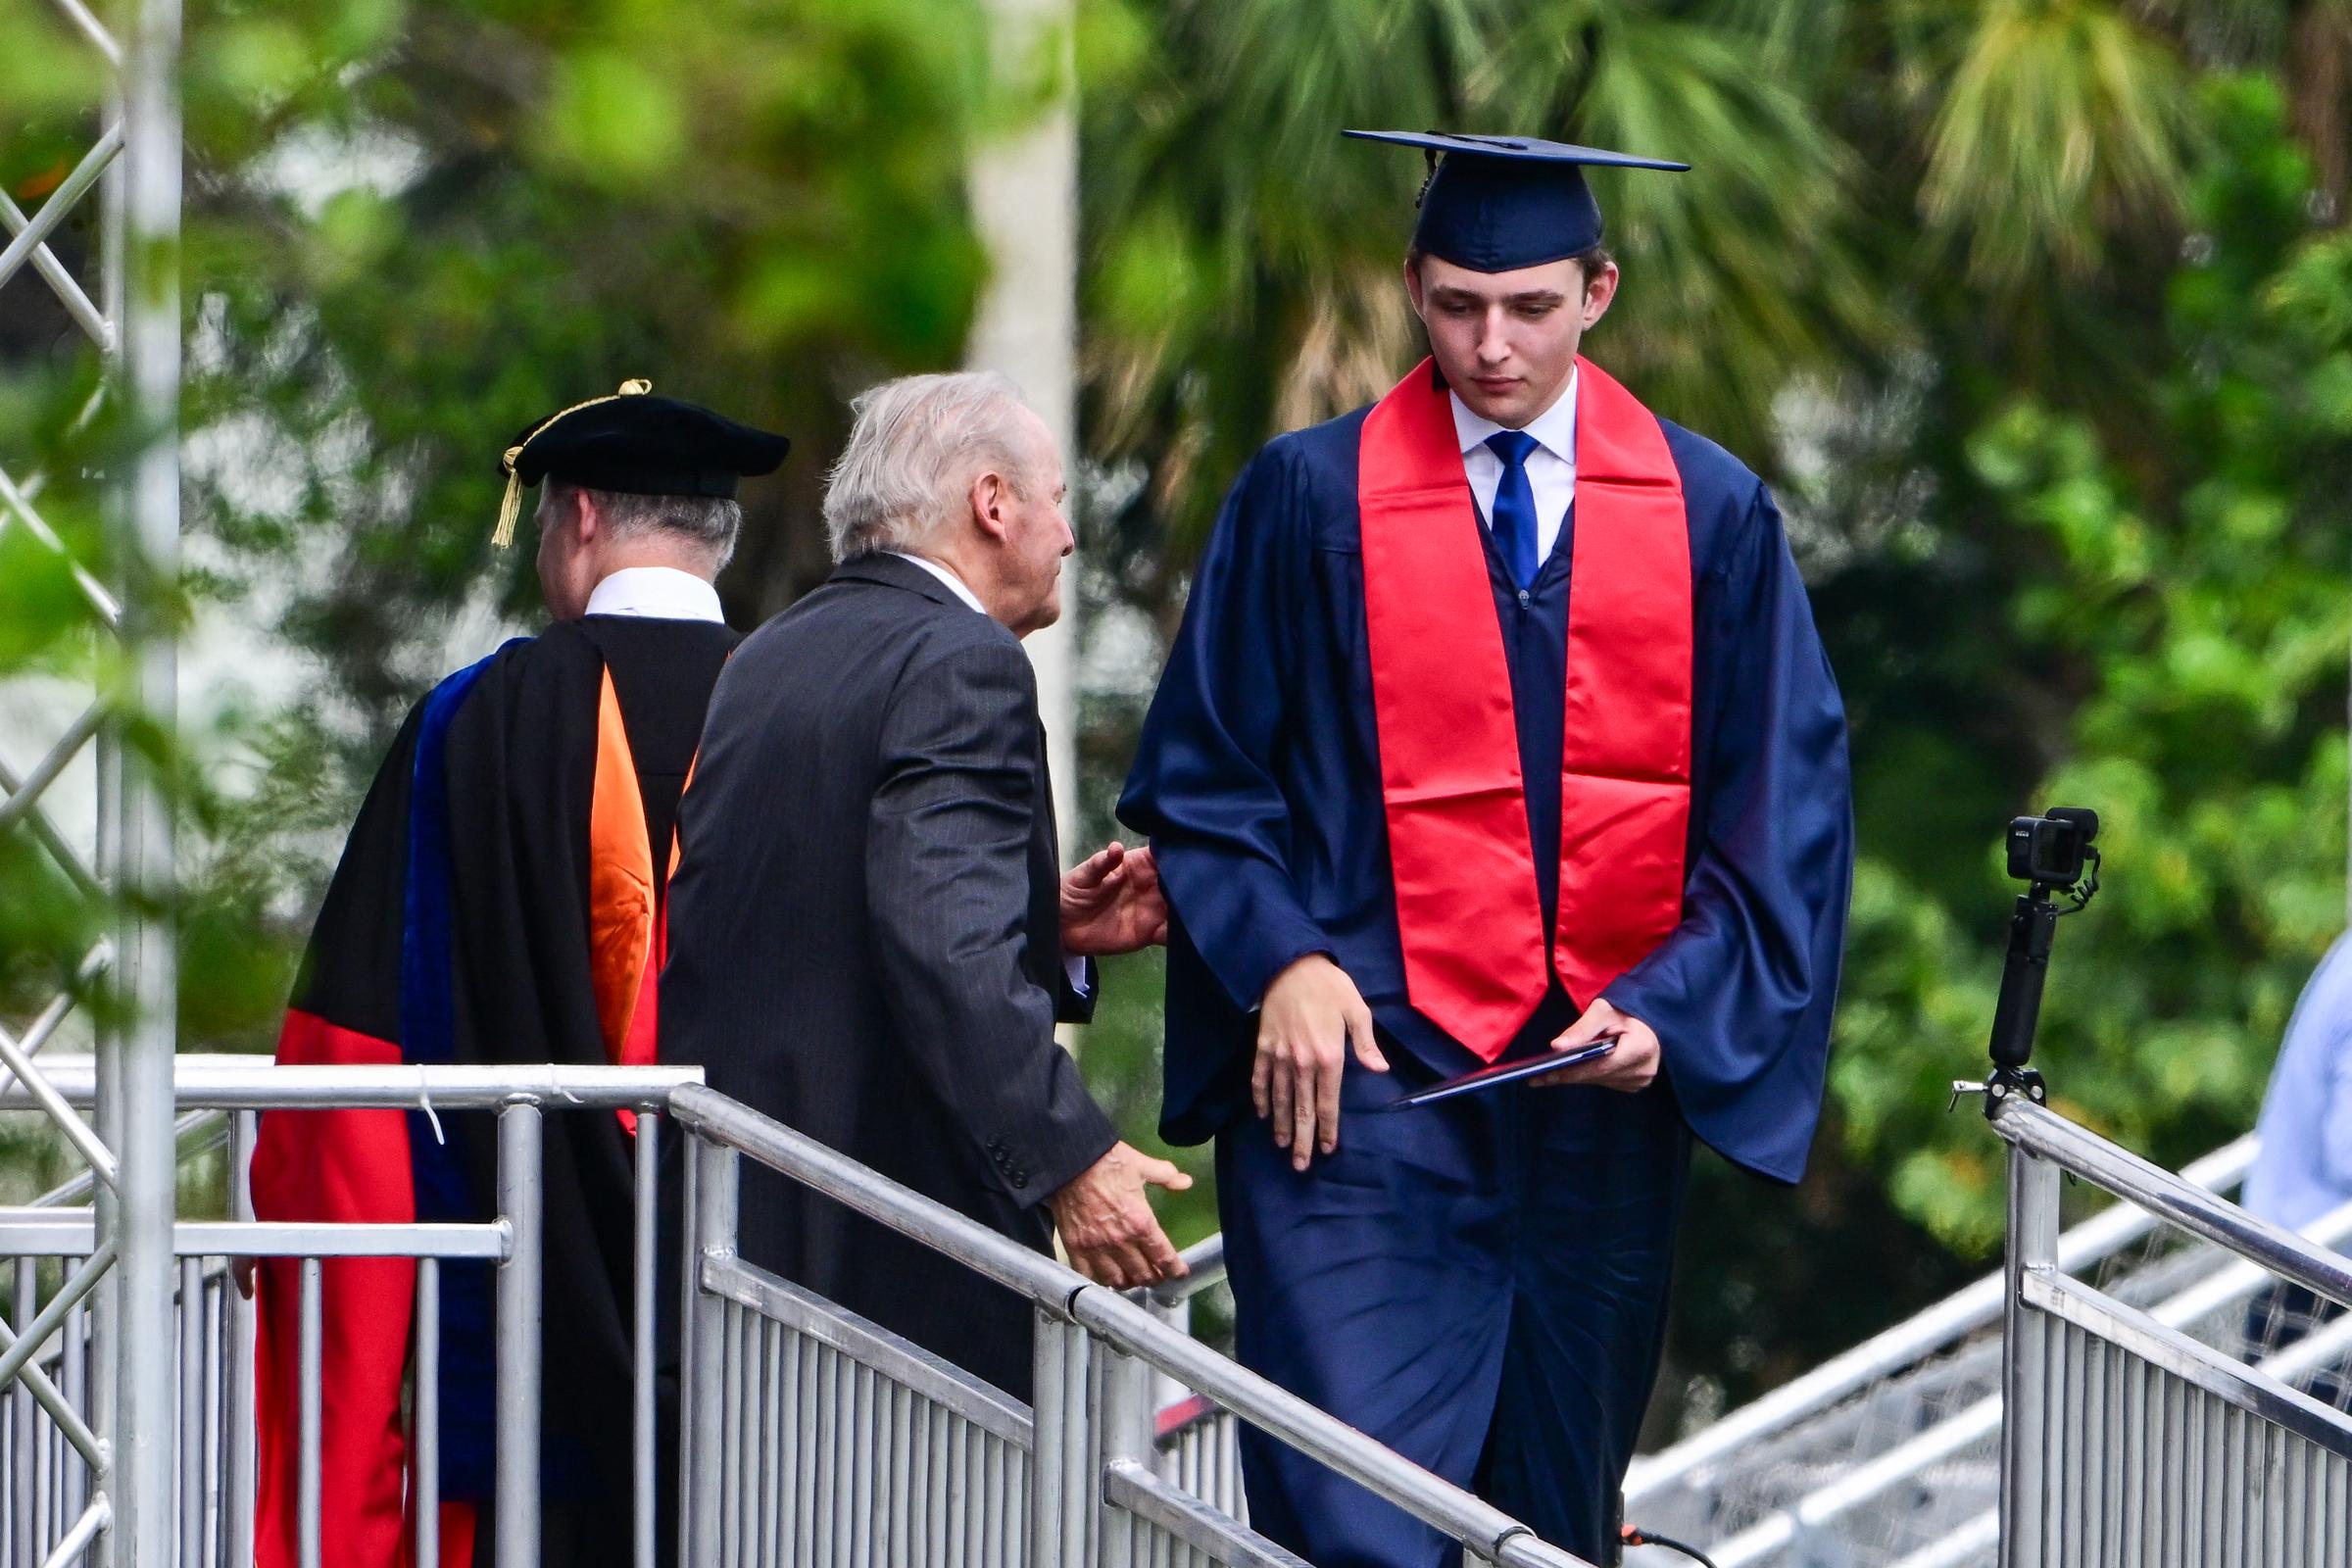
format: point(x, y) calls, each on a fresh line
point(2033, 928)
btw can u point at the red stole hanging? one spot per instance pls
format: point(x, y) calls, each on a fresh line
point(1467, 907)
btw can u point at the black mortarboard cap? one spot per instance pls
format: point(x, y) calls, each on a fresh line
point(1498, 203)
point(634, 442)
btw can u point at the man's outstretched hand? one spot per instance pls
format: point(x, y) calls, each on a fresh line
point(1313, 1015)
point(1111, 902)
point(1107, 1223)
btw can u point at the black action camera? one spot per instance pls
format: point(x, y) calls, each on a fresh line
point(2053, 852)
point(2054, 849)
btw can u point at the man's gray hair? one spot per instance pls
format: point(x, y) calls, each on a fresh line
point(917, 445)
point(711, 521)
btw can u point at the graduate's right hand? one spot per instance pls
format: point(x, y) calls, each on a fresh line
point(1312, 1015)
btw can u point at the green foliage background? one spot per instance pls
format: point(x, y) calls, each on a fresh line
point(2037, 314)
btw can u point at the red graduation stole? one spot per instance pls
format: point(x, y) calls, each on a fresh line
point(1467, 907)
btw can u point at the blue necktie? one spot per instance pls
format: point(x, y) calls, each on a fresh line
point(1516, 505)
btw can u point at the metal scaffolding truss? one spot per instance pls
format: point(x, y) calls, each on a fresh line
point(129, 314)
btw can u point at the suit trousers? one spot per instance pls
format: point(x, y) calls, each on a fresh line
point(1479, 1284)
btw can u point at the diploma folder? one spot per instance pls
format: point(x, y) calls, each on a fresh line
point(1509, 1072)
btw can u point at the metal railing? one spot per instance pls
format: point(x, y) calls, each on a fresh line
point(1685, 1478)
point(126, 310)
point(210, 1353)
point(2126, 1439)
point(809, 1436)
point(1081, 1481)
point(1889, 1454)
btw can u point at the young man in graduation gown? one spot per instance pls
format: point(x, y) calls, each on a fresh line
point(875, 934)
point(1497, 724)
point(502, 898)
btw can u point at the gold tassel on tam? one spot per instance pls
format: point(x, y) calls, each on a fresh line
point(510, 508)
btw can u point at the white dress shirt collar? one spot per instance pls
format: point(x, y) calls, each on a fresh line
point(1550, 465)
point(662, 593)
point(955, 583)
point(1555, 429)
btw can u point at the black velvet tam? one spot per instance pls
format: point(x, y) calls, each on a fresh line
point(641, 444)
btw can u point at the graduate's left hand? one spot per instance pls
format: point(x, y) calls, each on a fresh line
point(1111, 902)
point(1628, 1070)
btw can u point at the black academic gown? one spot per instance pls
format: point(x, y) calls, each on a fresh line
point(456, 929)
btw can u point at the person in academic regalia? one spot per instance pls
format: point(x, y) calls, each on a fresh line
point(1498, 724)
point(502, 898)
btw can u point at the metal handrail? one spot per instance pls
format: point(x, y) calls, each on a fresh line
point(1122, 1324)
point(1967, 1311)
point(254, 1083)
point(1204, 1269)
point(2042, 1132)
point(199, 1132)
point(1937, 1444)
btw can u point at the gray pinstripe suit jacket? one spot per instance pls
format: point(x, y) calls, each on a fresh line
point(865, 942)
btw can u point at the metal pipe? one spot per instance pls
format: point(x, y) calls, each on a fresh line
point(73, 1377)
point(189, 1451)
point(2126, 1330)
point(307, 1377)
point(24, 1307)
point(1123, 1428)
point(78, 304)
point(690, 1364)
point(57, 1233)
point(1947, 1323)
point(36, 1089)
point(425, 1481)
point(247, 1083)
point(519, 1313)
point(212, 1462)
point(69, 1420)
point(1203, 1269)
point(103, 604)
point(76, 1540)
point(84, 175)
point(1475, 1523)
point(1954, 1432)
point(36, 1034)
point(27, 1342)
point(2044, 1132)
point(641, 1440)
point(239, 1465)
point(1981, 1533)
point(717, 1175)
point(139, 1482)
point(197, 1133)
point(2024, 1369)
point(1107, 1315)
point(77, 735)
point(735, 1125)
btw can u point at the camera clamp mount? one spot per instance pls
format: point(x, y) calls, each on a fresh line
point(2053, 853)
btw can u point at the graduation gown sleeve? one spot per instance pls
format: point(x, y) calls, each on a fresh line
point(1744, 985)
point(1206, 784)
point(342, 1167)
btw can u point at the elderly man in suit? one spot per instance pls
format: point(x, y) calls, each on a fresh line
point(870, 940)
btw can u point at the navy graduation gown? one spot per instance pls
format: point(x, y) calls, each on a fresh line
point(1480, 1285)
point(1257, 779)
